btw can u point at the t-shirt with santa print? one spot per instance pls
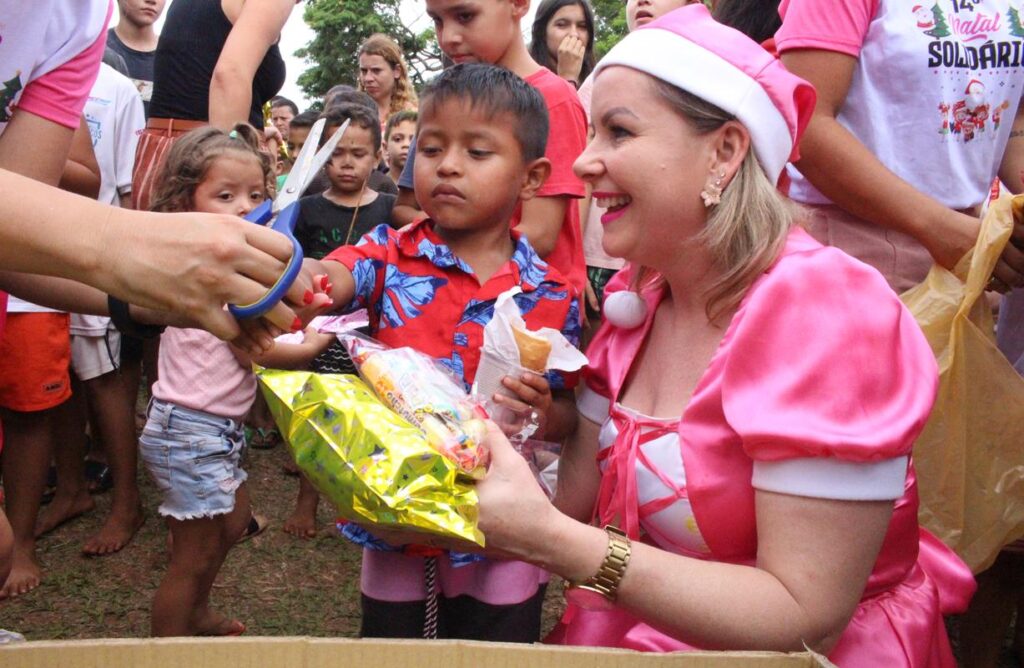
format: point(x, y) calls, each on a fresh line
point(935, 89)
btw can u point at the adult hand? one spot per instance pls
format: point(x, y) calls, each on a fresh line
point(570, 58)
point(951, 237)
point(193, 264)
point(514, 510)
point(1009, 269)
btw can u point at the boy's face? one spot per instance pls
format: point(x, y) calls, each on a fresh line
point(476, 31)
point(469, 168)
point(398, 143)
point(296, 140)
point(140, 13)
point(353, 159)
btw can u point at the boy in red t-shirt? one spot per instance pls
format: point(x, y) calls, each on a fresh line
point(489, 32)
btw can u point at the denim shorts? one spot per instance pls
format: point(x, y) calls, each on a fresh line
point(193, 457)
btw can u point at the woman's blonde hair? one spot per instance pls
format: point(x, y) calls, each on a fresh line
point(190, 159)
point(403, 95)
point(746, 231)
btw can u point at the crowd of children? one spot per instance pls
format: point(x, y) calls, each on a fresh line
point(430, 206)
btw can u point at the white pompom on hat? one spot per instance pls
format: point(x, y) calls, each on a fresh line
point(690, 50)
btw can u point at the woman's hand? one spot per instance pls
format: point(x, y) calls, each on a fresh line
point(513, 509)
point(192, 264)
point(515, 513)
point(570, 58)
point(949, 237)
point(1009, 270)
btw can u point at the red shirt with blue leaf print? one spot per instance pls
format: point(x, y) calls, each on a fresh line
point(419, 294)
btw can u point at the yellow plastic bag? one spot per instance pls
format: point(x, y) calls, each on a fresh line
point(970, 457)
point(375, 467)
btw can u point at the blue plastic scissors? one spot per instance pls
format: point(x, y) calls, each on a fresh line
point(282, 212)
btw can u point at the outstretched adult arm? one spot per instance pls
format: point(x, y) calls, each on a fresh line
point(256, 27)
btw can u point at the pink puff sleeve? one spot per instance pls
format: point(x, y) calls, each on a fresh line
point(827, 377)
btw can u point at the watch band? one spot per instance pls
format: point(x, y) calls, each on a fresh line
point(608, 577)
point(126, 324)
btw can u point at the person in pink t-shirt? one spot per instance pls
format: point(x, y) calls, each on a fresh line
point(752, 397)
point(918, 111)
point(193, 439)
point(913, 122)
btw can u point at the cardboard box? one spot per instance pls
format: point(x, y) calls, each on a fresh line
point(344, 653)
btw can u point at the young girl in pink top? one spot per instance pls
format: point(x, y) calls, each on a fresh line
point(193, 441)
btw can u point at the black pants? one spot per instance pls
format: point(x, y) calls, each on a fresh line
point(462, 617)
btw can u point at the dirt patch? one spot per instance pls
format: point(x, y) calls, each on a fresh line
point(278, 585)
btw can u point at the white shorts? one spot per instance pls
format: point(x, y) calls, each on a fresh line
point(94, 356)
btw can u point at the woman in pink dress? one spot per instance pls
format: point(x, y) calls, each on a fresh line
point(747, 422)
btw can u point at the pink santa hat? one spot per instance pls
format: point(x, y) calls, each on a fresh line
point(688, 49)
point(967, 91)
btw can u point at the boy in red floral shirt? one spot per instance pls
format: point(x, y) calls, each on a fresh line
point(432, 286)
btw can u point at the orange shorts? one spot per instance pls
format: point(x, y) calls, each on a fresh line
point(35, 354)
point(150, 156)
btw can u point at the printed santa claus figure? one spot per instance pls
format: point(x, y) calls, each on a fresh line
point(971, 112)
point(925, 20)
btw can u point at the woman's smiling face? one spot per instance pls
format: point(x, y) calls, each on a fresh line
point(647, 166)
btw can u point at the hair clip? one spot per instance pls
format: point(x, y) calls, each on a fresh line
point(233, 134)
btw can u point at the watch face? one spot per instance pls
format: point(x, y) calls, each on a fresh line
point(588, 599)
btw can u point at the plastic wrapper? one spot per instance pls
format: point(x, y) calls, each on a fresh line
point(504, 353)
point(968, 459)
point(413, 386)
point(373, 465)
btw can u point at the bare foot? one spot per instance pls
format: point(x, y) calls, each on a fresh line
point(63, 508)
point(25, 574)
point(213, 624)
point(117, 532)
point(301, 524)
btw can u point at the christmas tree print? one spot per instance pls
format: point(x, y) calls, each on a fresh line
point(1016, 29)
point(7, 95)
point(940, 29)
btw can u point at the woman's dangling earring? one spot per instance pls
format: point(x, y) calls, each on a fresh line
point(712, 193)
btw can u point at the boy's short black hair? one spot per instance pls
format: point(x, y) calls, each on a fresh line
point(399, 117)
point(495, 90)
point(304, 120)
point(359, 114)
point(279, 101)
point(350, 96)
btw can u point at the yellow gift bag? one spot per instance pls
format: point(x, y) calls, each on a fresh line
point(970, 457)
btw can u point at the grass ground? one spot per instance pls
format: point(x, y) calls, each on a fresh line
point(276, 584)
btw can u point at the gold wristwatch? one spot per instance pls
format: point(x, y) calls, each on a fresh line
point(598, 592)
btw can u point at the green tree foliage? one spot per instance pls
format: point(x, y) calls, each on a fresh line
point(340, 26)
point(610, 20)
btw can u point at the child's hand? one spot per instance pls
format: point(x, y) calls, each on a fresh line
point(533, 393)
point(316, 341)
